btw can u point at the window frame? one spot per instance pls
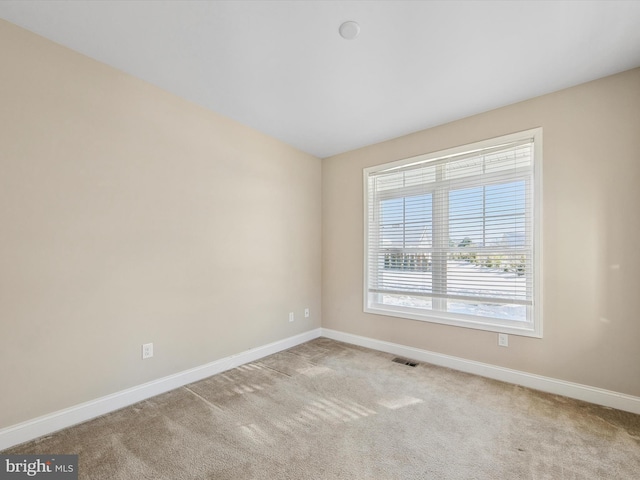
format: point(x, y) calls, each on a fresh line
point(532, 328)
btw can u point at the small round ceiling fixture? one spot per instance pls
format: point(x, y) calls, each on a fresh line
point(349, 30)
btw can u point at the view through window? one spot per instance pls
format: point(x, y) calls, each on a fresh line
point(453, 237)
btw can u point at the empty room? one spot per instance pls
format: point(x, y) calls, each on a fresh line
point(319, 239)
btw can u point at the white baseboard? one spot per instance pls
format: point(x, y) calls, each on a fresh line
point(46, 424)
point(599, 396)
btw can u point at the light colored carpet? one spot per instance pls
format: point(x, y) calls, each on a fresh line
point(328, 410)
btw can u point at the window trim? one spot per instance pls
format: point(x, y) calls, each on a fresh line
point(533, 329)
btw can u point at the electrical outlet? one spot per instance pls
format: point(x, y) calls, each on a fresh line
point(503, 339)
point(291, 317)
point(306, 313)
point(147, 350)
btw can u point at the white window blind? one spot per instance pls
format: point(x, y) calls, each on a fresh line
point(453, 237)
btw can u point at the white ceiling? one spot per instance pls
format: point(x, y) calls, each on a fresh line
point(282, 68)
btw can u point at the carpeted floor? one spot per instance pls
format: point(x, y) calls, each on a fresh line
point(328, 410)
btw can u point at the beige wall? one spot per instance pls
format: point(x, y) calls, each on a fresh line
point(591, 229)
point(128, 215)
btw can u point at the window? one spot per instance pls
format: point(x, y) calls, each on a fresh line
point(454, 237)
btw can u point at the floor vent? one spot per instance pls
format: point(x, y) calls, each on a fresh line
point(404, 361)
